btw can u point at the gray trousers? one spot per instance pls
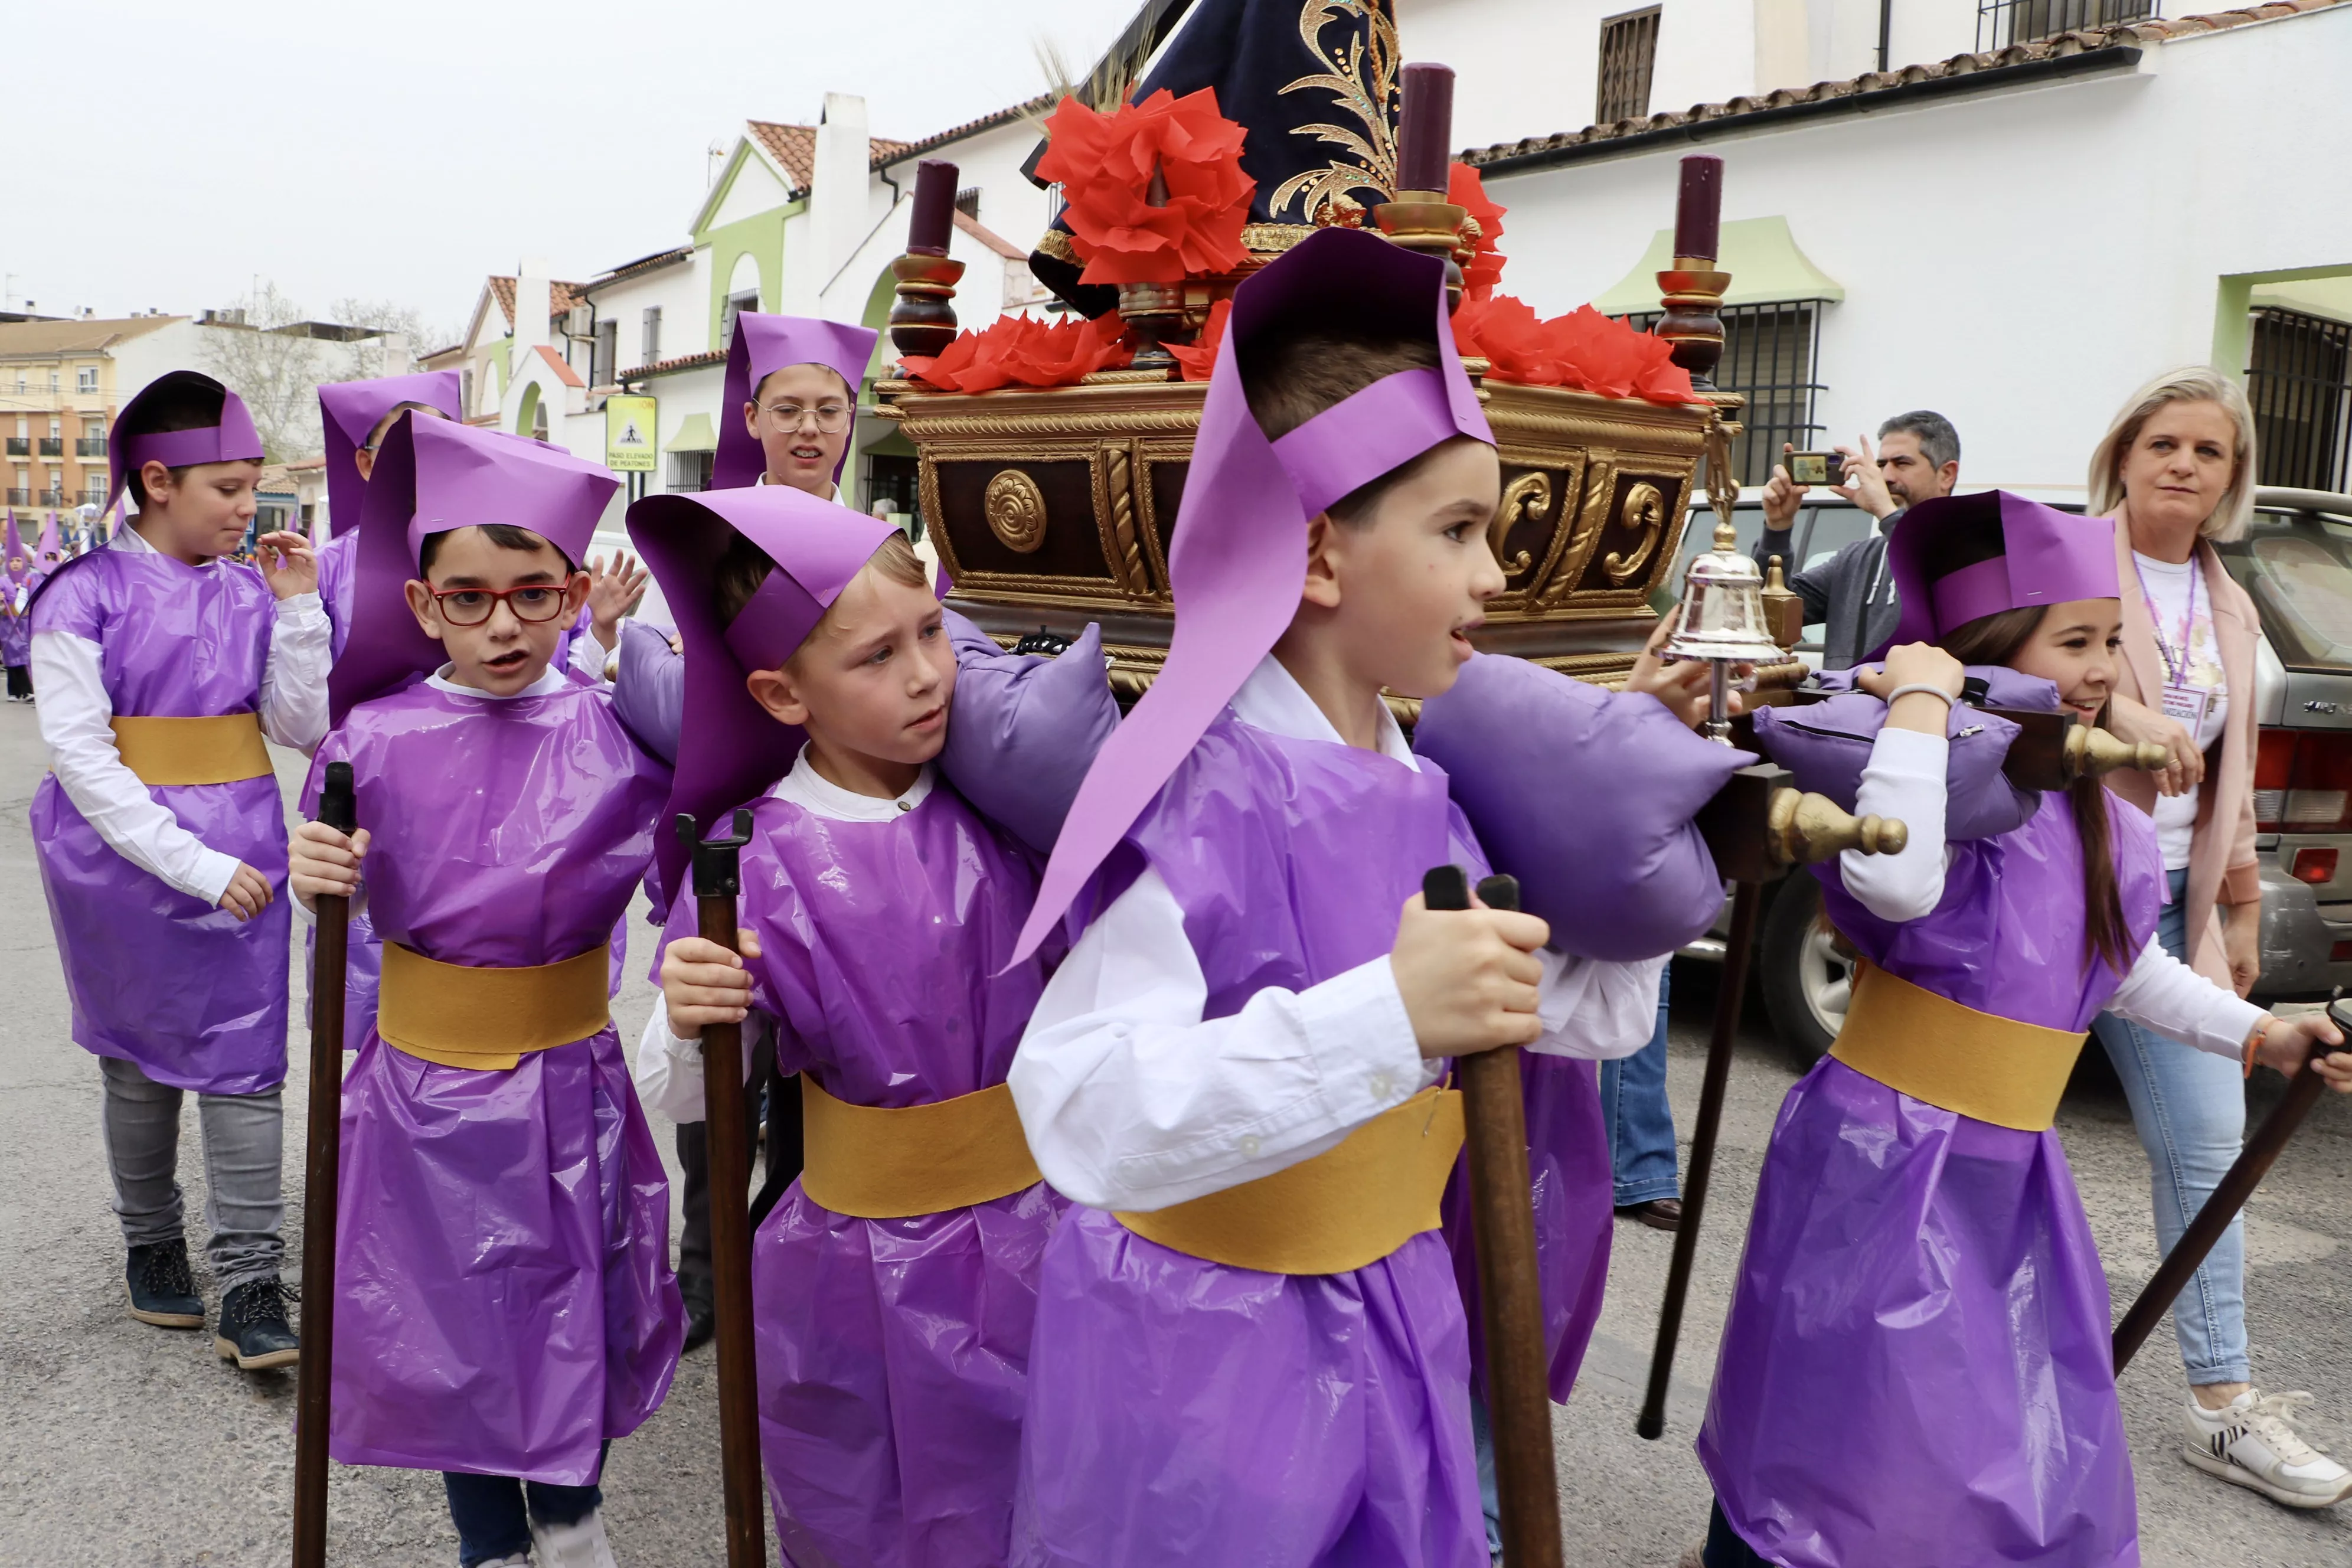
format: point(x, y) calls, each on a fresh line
point(244, 1142)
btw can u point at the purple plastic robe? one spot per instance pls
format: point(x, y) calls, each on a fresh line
point(1917, 1364)
point(893, 1353)
point(1195, 1412)
point(504, 1300)
point(192, 995)
point(15, 629)
point(339, 585)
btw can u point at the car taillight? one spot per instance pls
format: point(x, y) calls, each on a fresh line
point(2303, 780)
point(2316, 867)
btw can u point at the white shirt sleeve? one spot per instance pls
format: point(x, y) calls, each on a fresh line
point(668, 1070)
point(1597, 1011)
point(293, 706)
point(2165, 995)
point(1904, 779)
point(1132, 1100)
point(589, 656)
point(76, 714)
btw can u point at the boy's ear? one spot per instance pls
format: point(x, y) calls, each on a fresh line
point(154, 479)
point(575, 594)
point(420, 605)
point(1322, 588)
point(775, 691)
point(752, 417)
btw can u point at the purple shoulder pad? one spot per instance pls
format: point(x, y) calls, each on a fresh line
point(1025, 729)
point(1827, 744)
point(649, 689)
point(1586, 797)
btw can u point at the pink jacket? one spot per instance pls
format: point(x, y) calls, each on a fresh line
point(2221, 865)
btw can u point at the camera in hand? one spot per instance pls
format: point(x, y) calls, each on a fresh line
point(1817, 467)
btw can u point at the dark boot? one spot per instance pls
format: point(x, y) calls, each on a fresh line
point(253, 1331)
point(162, 1291)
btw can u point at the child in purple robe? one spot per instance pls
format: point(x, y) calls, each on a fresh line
point(895, 1282)
point(1251, 1342)
point(1917, 1366)
point(504, 1302)
point(161, 841)
point(16, 614)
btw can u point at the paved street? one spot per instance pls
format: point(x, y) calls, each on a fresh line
point(127, 1446)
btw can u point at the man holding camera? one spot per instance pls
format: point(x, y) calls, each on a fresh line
point(1919, 459)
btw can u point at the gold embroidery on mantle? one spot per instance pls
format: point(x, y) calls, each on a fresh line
point(1363, 77)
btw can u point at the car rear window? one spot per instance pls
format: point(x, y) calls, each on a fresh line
point(2299, 573)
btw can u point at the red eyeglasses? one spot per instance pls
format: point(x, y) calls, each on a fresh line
point(534, 604)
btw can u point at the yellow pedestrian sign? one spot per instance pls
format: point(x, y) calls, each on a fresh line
point(629, 434)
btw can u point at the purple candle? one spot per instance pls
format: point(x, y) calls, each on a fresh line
point(1426, 131)
point(934, 217)
point(1698, 214)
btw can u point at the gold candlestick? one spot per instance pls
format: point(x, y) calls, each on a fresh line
point(1693, 291)
point(1425, 221)
point(923, 322)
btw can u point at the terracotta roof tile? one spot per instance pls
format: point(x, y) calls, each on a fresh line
point(569, 377)
point(902, 151)
point(794, 147)
point(560, 298)
point(670, 366)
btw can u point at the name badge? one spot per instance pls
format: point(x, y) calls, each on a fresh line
point(2189, 704)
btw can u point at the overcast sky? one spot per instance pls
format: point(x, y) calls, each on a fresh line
point(165, 154)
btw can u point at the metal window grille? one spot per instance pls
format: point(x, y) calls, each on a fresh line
point(1772, 354)
point(649, 338)
point(2300, 384)
point(2001, 23)
point(967, 201)
point(1629, 47)
point(605, 360)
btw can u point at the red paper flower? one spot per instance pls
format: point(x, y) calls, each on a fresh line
point(1020, 351)
point(1465, 188)
point(1105, 164)
point(1583, 350)
point(1200, 359)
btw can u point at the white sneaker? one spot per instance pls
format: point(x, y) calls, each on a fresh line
point(580, 1544)
point(2252, 1442)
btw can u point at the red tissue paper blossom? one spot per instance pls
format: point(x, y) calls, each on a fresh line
point(1105, 163)
point(1465, 188)
point(1200, 359)
point(1584, 351)
point(1020, 351)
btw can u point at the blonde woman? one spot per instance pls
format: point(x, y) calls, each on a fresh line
point(2176, 472)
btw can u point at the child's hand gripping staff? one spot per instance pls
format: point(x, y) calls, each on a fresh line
point(1757, 828)
point(2310, 1051)
point(325, 872)
point(1470, 989)
point(708, 989)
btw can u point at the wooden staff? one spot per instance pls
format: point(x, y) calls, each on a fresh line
point(718, 878)
point(2303, 1092)
point(314, 1378)
point(1510, 1292)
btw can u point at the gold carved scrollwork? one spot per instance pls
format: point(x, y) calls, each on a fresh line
point(1015, 510)
point(1530, 497)
point(1645, 509)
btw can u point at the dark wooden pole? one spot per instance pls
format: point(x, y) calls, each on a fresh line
point(314, 1378)
point(1745, 903)
point(1510, 1292)
point(2237, 1184)
point(718, 878)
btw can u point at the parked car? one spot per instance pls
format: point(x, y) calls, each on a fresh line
point(2295, 562)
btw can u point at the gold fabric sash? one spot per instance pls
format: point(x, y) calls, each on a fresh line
point(220, 750)
point(873, 1161)
point(444, 1012)
point(1931, 1048)
point(1347, 1207)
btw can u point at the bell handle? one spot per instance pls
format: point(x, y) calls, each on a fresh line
point(2094, 752)
point(1807, 829)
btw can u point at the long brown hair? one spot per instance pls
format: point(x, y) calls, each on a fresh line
point(1996, 639)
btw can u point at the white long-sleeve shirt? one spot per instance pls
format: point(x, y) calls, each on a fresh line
point(1132, 1099)
point(1904, 779)
point(76, 714)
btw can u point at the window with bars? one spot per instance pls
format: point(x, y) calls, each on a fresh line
point(1629, 47)
point(649, 336)
point(2001, 22)
point(2300, 383)
point(604, 361)
point(1771, 355)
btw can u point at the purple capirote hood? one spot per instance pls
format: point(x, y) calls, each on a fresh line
point(233, 440)
point(432, 476)
point(763, 345)
point(730, 748)
point(2049, 557)
point(1239, 559)
point(348, 410)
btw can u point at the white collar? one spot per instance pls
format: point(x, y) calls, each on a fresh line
point(819, 796)
point(550, 681)
point(128, 538)
point(835, 498)
point(1273, 700)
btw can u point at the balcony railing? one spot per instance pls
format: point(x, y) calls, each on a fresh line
point(53, 446)
point(2002, 23)
point(94, 496)
point(90, 447)
point(20, 497)
point(20, 445)
point(49, 497)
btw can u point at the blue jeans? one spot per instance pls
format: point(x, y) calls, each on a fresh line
point(493, 1513)
point(1641, 1124)
point(2189, 1108)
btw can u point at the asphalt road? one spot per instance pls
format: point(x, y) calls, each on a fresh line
point(127, 1446)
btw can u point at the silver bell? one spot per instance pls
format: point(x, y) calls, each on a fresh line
point(1723, 607)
